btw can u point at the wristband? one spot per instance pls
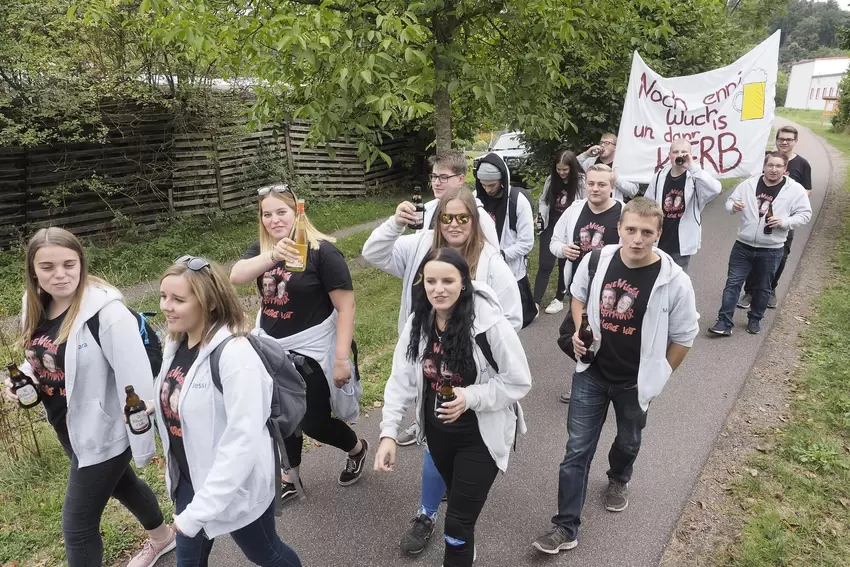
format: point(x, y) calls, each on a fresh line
point(271, 256)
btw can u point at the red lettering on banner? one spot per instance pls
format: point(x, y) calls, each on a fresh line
point(645, 132)
point(652, 92)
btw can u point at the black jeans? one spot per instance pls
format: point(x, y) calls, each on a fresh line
point(88, 492)
point(468, 471)
point(751, 284)
point(319, 423)
point(258, 540)
point(545, 265)
point(588, 409)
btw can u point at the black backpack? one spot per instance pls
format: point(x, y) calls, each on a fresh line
point(153, 346)
point(289, 399)
point(512, 204)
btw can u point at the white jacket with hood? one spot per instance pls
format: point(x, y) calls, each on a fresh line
point(791, 204)
point(95, 378)
point(700, 189)
point(543, 201)
point(622, 188)
point(515, 245)
point(491, 397)
point(401, 256)
point(228, 447)
point(563, 233)
point(671, 317)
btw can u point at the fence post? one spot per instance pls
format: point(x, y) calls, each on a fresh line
point(287, 144)
point(219, 186)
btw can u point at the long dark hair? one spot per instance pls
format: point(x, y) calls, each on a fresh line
point(558, 185)
point(457, 337)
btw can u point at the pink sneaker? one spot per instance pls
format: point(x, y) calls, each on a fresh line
point(151, 552)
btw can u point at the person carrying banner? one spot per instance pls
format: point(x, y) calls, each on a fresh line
point(683, 189)
point(603, 153)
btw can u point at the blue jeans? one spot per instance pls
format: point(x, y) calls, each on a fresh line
point(258, 540)
point(433, 486)
point(588, 410)
point(759, 264)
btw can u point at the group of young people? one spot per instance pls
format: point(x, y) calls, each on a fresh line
point(465, 296)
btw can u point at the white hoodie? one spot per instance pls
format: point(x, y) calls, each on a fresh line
point(401, 256)
point(563, 233)
point(95, 418)
point(491, 397)
point(700, 189)
point(671, 317)
point(622, 188)
point(791, 205)
point(228, 447)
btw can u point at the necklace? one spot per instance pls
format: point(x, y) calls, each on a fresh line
point(439, 334)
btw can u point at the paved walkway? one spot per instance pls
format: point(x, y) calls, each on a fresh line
point(360, 526)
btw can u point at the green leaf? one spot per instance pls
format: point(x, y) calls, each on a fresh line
point(367, 76)
point(385, 117)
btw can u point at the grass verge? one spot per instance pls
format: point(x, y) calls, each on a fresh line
point(796, 508)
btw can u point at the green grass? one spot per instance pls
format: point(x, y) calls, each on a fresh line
point(796, 511)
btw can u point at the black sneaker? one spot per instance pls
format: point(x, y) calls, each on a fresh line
point(288, 491)
point(416, 538)
point(354, 466)
point(753, 327)
point(616, 496)
point(554, 541)
point(745, 301)
point(720, 329)
point(565, 397)
point(771, 301)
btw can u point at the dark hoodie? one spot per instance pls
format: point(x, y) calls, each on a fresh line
point(497, 207)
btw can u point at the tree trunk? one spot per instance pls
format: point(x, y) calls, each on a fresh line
point(442, 115)
point(444, 28)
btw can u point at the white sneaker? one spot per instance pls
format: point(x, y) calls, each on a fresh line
point(555, 307)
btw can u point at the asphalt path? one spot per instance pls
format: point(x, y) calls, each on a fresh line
point(361, 525)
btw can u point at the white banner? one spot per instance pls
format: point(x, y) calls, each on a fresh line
point(726, 114)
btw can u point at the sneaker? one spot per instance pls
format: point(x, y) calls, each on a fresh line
point(720, 329)
point(555, 307)
point(416, 538)
point(408, 436)
point(538, 311)
point(753, 327)
point(616, 496)
point(745, 301)
point(554, 541)
point(565, 397)
point(151, 552)
point(771, 301)
point(354, 466)
point(288, 491)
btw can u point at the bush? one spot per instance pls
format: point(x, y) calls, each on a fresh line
point(481, 146)
point(781, 88)
point(841, 119)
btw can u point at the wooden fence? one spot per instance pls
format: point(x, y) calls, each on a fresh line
point(146, 170)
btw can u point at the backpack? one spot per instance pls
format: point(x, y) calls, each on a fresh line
point(289, 399)
point(568, 326)
point(513, 197)
point(484, 345)
point(153, 346)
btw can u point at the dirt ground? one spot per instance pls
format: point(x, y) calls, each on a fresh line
point(711, 520)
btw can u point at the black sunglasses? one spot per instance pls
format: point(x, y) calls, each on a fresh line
point(193, 263)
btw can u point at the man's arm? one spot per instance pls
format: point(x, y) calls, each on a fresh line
point(676, 355)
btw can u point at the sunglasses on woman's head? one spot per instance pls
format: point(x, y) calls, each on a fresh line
point(193, 263)
point(281, 188)
point(462, 218)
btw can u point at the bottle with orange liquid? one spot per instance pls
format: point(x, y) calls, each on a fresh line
point(300, 238)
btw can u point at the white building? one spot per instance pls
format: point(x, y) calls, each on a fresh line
point(814, 79)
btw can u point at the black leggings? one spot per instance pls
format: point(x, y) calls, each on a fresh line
point(468, 471)
point(318, 422)
point(89, 490)
point(545, 266)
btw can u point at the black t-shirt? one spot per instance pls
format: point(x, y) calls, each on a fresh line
point(625, 295)
point(169, 397)
point(433, 370)
point(48, 364)
point(800, 171)
point(295, 301)
point(597, 230)
point(496, 207)
point(765, 195)
point(673, 205)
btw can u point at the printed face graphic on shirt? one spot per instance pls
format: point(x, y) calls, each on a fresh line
point(429, 369)
point(169, 397)
point(269, 287)
point(42, 355)
point(596, 240)
point(32, 358)
point(584, 238)
point(591, 237)
point(763, 206)
point(625, 303)
point(617, 307)
point(609, 299)
point(674, 204)
point(434, 360)
point(48, 360)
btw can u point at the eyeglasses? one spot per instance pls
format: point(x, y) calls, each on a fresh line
point(443, 178)
point(193, 263)
point(785, 140)
point(774, 166)
point(607, 143)
point(447, 219)
point(281, 188)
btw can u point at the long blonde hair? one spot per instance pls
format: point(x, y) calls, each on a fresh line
point(218, 300)
point(267, 241)
point(471, 250)
point(37, 300)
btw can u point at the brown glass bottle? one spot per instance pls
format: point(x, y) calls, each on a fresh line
point(585, 335)
point(23, 387)
point(767, 217)
point(444, 395)
point(134, 408)
point(420, 209)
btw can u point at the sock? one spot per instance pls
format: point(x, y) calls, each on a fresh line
point(354, 452)
point(160, 534)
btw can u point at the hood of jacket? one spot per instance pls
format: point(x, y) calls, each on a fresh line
point(488, 309)
point(483, 196)
point(95, 298)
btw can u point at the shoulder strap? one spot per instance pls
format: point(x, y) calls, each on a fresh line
point(484, 345)
point(513, 196)
point(592, 264)
point(215, 361)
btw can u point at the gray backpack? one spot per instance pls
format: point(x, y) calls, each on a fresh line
point(289, 399)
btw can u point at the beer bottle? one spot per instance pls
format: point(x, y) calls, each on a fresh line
point(134, 408)
point(420, 209)
point(23, 387)
point(767, 217)
point(300, 238)
point(540, 223)
point(444, 395)
point(585, 335)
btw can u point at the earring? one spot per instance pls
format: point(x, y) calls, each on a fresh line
point(463, 288)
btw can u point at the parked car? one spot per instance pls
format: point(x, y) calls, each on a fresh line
point(509, 147)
